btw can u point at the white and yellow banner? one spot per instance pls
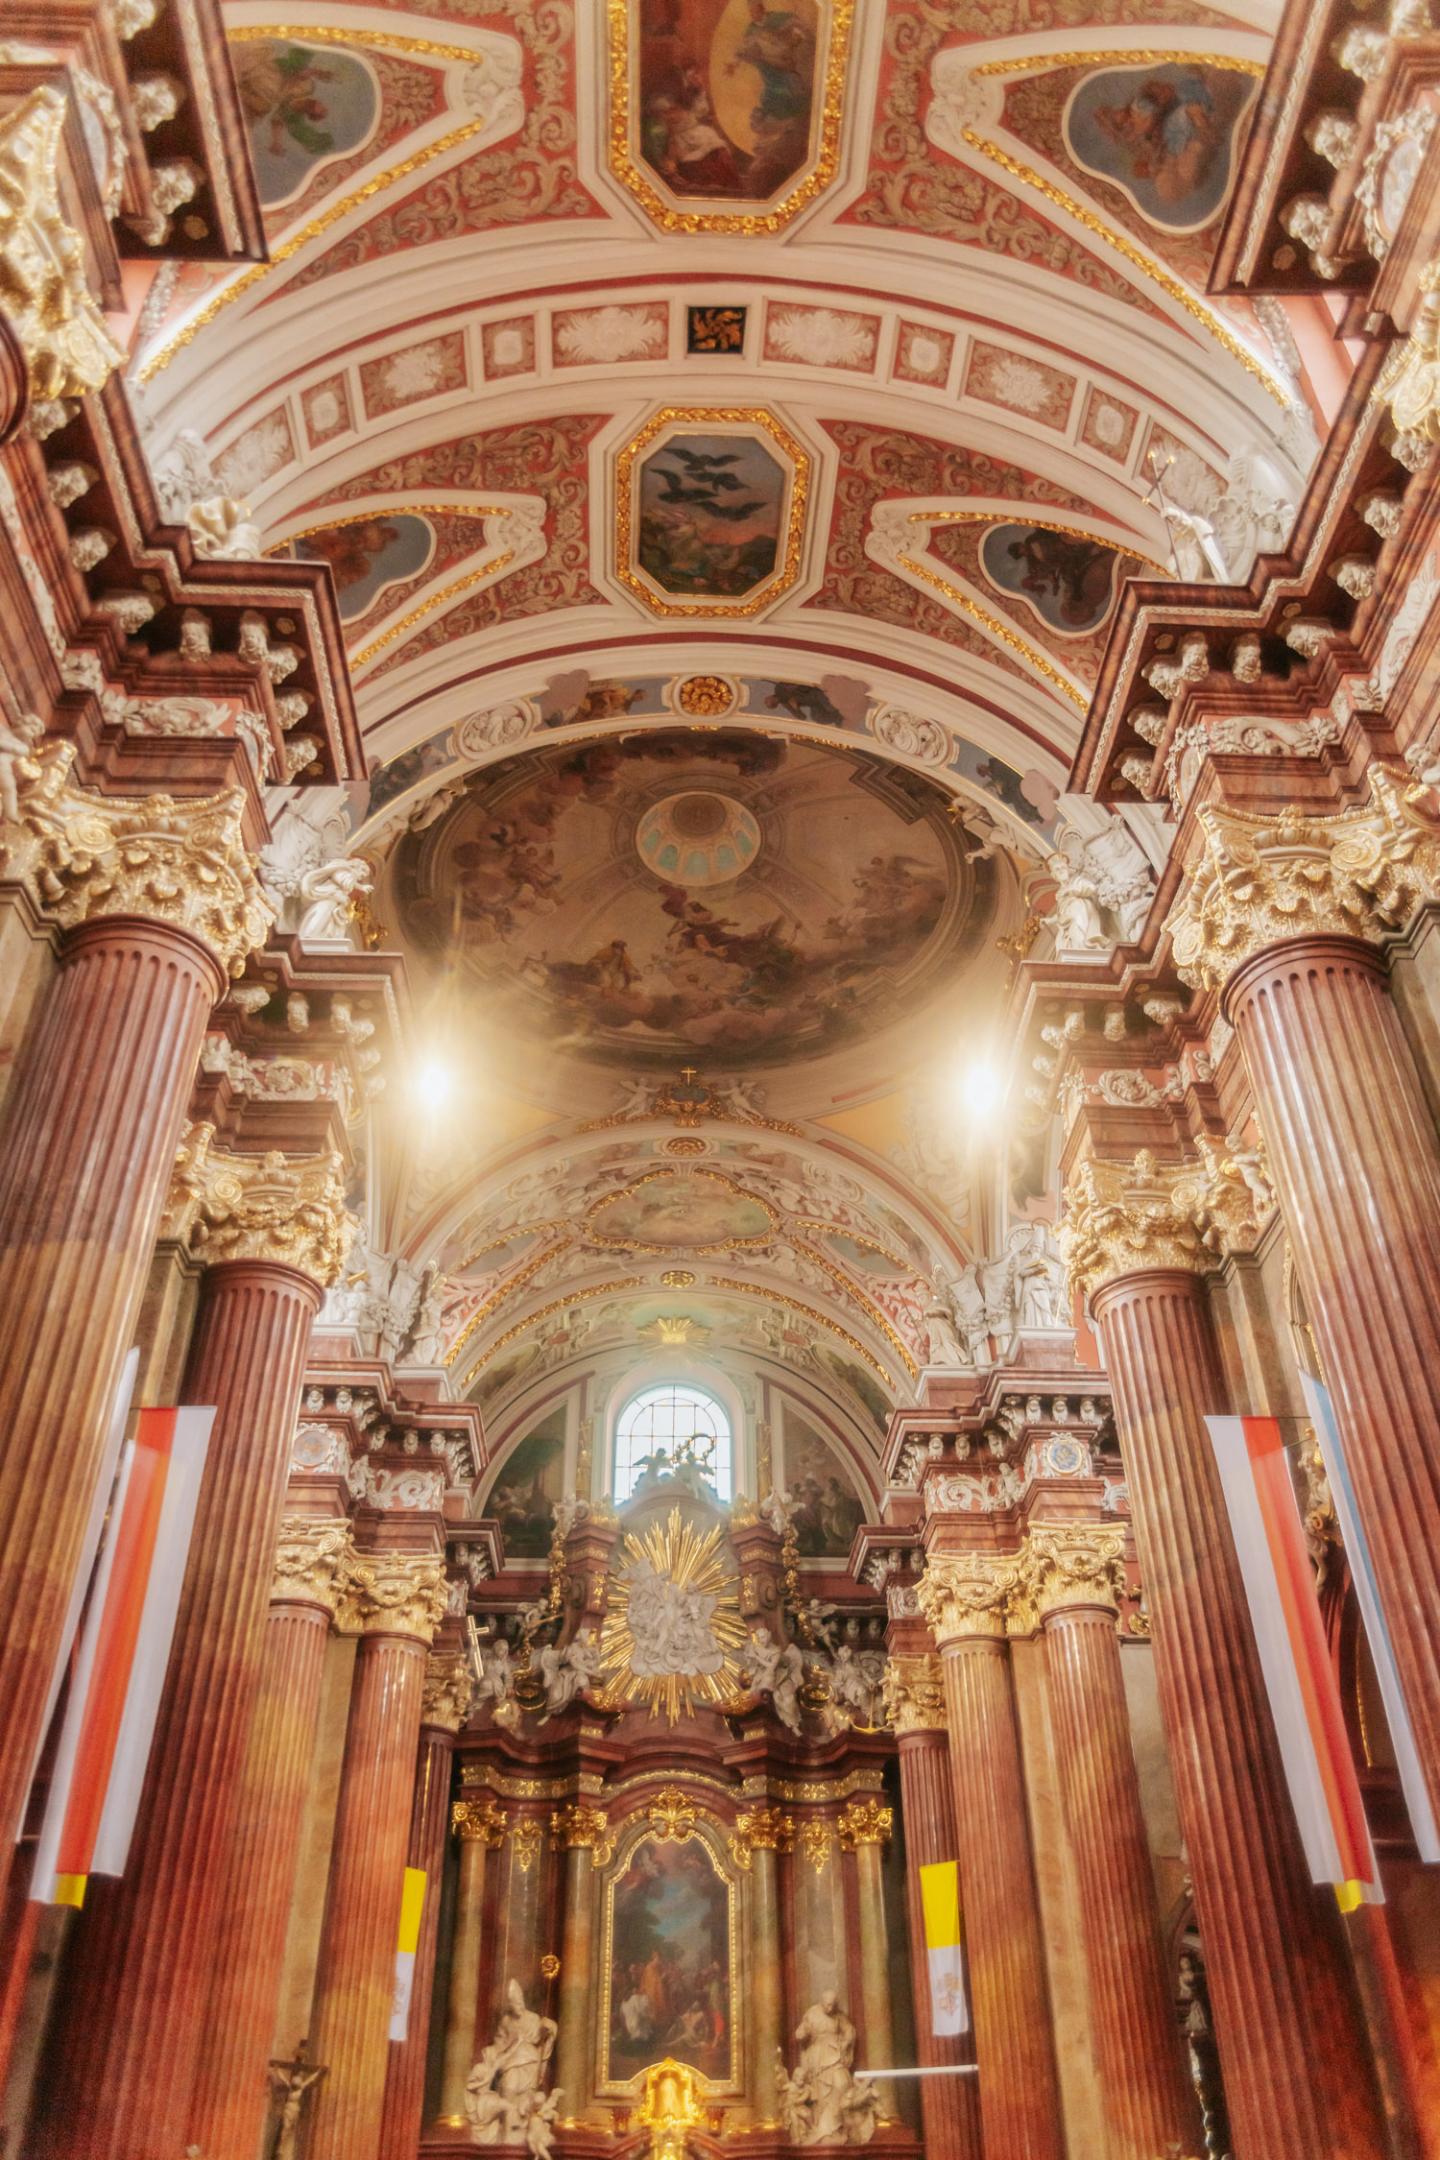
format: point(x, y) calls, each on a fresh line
point(940, 1900)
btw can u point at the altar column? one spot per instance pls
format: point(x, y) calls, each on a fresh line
point(400, 1601)
point(118, 2083)
point(915, 1699)
point(1298, 2076)
point(864, 1828)
point(759, 1834)
point(87, 1145)
point(583, 1834)
point(480, 1826)
point(1354, 1153)
point(232, 2087)
point(964, 1597)
point(444, 1706)
point(1075, 1571)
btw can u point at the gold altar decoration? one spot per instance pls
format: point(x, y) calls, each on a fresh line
point(674, 2102)
point(479, 1822)
point(865, 1822)
point(525, 1839)
point(61, 327)
point(585, 1827)
point(705, 697)
point(671, 1814)
point(760, 1830)
point(673, 1627)
point(288, 1211)
point(1263, 880)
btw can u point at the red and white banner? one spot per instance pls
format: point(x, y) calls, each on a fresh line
point(1295, 1656)
point(120, 1662)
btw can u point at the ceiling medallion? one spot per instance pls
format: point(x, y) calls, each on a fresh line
point(673, 1625)
point(720, 122)
point(710, 511)
point(706, 697)
point(677, 1278)
point(698, 838)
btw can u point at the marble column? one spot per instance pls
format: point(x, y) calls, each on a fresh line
point(759, 1835)
point(915, 1698)
point(232, 2087)
point(1354, 1152)
point(582, 1833)
point(154, 909)
point(443, 1710)
point(864, 1829)
point(1292, 2046)
point(1075, 1572)
point(118, 2086)
point(401, 1598)
point(964, 1597)
point(480, 1826)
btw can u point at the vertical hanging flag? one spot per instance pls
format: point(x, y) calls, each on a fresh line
point(1372, 1612)
point(940, 1902)
point(121, 1657)
point(412, 1905)
point(1295, 1657)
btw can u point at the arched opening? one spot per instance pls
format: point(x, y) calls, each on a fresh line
point(672, 1421)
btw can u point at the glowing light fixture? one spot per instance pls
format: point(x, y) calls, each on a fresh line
point(981, 1089)
point(434, 1084)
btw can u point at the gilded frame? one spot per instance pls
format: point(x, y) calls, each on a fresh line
point(721, 419)
point(706, 1834)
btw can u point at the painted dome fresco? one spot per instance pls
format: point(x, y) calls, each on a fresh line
point(657, 897)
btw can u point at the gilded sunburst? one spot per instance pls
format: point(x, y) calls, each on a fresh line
point(673, 1625)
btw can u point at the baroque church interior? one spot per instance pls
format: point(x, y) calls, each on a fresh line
point(719, 1068)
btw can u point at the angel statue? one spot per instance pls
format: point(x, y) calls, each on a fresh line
point(290, 2082)
point(568, 1672)
point(328, 893)
point(777, 1669)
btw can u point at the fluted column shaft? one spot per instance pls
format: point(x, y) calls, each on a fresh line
point(478, 1827)
point(87, 1145)
point(355, 1982)
point(118, 2084)
point(429, 1826)
point(1149, 2102)
point(1297, 2074)
point(1019, 2095)
point(949, 2105)
point(232, 2091)
point(1355, 1158)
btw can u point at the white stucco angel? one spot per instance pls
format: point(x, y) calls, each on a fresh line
point(857, 1683)
point(568, 1672)
point(495, 1675)
point(777, 1669)
point(328, 893)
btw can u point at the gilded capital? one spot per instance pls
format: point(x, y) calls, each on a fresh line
point(915, 1694)
point(765, 1829)
point(312, 1563)
point(397, 1594)
point(61, 327)
point(1127, 1218)
point(449, 1688)
point(287, 1210)
point(1069, 1564)
point(585, 1827)
point(183, 861)
point(964, 1594)
point(478, 1822)
point(1412, 390)
point(865, 1822)
point(1267, 880)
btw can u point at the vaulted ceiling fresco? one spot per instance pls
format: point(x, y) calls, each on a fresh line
point(730, 428)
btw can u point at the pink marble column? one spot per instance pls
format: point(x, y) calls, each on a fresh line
point(402, 1599)
point(232, 2087)
point(117, 2086)
point(87, 1146)
point(446, 1700)
point(1355, 1156)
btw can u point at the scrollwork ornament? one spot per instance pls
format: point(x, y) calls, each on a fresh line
point(43, 289)
point(398, 1594)
point(966, 1594)
point(1072, 1564)
point(83, 856)
point(914, 1694)
point(312, 1563)
point(1265, 880)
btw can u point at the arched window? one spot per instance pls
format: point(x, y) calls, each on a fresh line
point(666, 1417)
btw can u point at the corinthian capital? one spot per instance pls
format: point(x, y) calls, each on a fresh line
point(259, 1207)
point(1266, 880)
point(449, 1688)
point(585, 1827)
point(964, 1594)
point(914, 1694)
point(1069, 1564)
point(397, 1594)
point(68, 349)
point(865, 1822)
point(478, 1822)
point(312, 1563)
point(1127, 1218)
point(82, 856)
point(1413, 390)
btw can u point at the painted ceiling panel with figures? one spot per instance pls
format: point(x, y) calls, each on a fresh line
point(730, 429)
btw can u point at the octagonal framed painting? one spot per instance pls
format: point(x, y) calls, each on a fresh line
point(710, 511)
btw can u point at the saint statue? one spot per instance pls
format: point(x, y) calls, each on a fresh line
point(822, 2100)
point(290, 2082)
point(503, 2095)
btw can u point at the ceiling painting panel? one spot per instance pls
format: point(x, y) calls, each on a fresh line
point(725, 115)
point(308, 106)
point(711, 511)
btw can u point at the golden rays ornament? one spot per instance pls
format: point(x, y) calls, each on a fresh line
point(673, 1624)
